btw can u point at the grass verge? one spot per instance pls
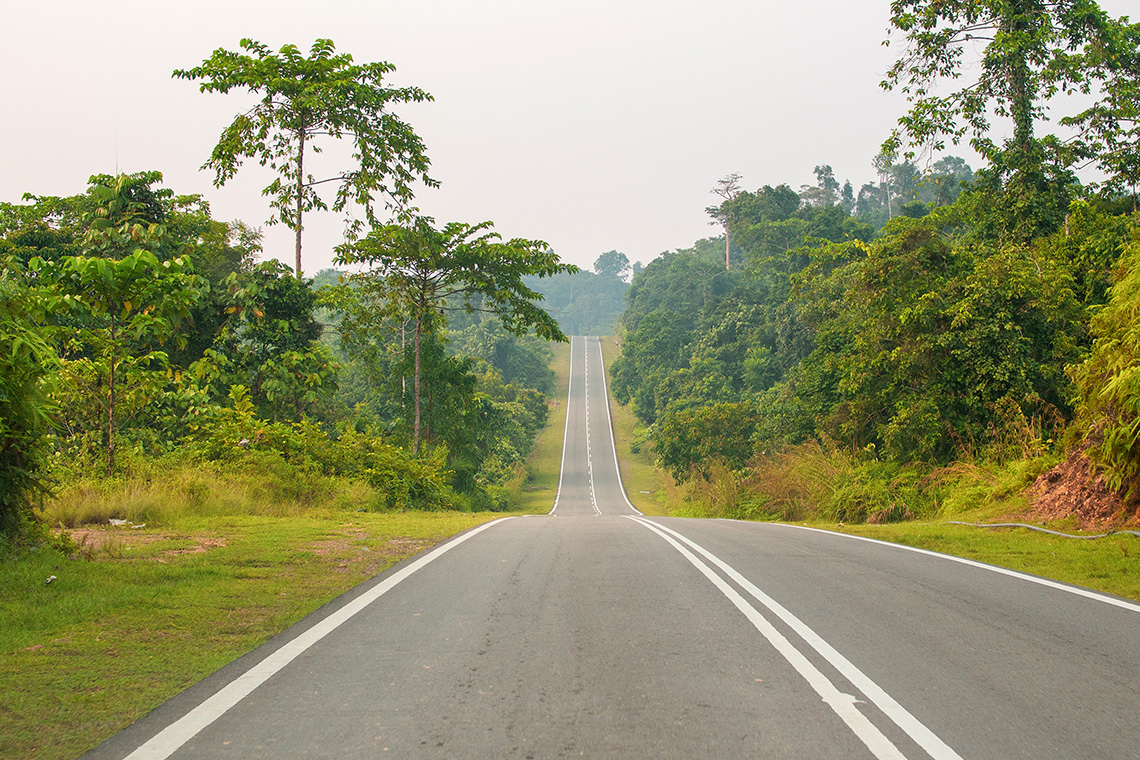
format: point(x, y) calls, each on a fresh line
point(545, 461)
point(135, 616)
point(642, 480)
point(1108, 564)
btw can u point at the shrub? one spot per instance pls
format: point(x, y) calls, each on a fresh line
point(24, 358)
point(1108, 381)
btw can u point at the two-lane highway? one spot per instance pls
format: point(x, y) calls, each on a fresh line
point(590, 481)
point(597, 632)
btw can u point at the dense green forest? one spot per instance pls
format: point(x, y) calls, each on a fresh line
point(940, 321)
point(588, 303)
point(140, 337)
point(908, 347)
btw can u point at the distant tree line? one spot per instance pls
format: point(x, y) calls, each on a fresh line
point(589, 303)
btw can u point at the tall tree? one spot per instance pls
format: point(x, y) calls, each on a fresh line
point(419, 273)
point(303, 99)
point(727, 188)
point(612, 264)
point(120, 311)
point(1033, 50)
point(826, 190)
point(882, 164)
point(1109, 133)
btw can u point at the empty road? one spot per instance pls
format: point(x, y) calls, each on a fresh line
point(597, 632)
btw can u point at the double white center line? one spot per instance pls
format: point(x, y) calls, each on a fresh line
point(844, 705)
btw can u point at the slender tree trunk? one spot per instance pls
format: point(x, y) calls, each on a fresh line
point(1020, 97)
point(416, 388)
point(111, 405)
point(726, 246)
point(300, 192)
point(1026, 179)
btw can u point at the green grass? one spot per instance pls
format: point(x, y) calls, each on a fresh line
point(1111, 565)
point(228, 558)
point(545, 460)
point(140, 615)
point(643, 481)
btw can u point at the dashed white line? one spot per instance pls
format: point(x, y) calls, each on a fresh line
point(610, 423)
point(589, 443)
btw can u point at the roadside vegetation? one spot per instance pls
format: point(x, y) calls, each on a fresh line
point(209, 561)
point(198, 446)
point(801, 487)
point(942, 343)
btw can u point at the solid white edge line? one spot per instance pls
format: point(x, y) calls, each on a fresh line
point(589, 449)
point(565, 428)
point(166, 742)
point(914, 728)
point(613, 438)
point(1077, 590)
point(842, 704)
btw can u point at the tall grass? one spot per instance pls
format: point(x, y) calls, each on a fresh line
point(821, 482)
point(178, 491)
point(798, 483)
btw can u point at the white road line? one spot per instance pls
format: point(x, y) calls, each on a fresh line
point(565, 428)
point(165, 743)
point(842, 704)
point(610, 422)
point(914, 728)
point(1077, 590)
point(589, 446)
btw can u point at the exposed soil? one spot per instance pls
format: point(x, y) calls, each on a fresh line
point(113, 541)
point(1074, 489)
point(349, 550)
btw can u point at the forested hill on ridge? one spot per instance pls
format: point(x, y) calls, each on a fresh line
point(887, 357)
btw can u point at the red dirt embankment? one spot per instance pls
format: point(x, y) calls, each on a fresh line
point(1076, 489)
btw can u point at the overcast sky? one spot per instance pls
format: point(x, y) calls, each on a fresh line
point(592, 125)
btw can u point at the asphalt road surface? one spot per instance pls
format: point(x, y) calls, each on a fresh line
point(596, 632)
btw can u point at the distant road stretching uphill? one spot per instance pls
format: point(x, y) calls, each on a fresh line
point(596, 632)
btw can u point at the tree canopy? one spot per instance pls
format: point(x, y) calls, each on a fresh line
point(303, 100)
point(1032, 51)
point(419, 273)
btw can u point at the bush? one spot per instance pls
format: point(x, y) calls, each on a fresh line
point(24, 358)
point(1108, 381)
point(688, 440)
point(235, 435)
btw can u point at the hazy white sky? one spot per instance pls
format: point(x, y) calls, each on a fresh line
point(591, 125)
